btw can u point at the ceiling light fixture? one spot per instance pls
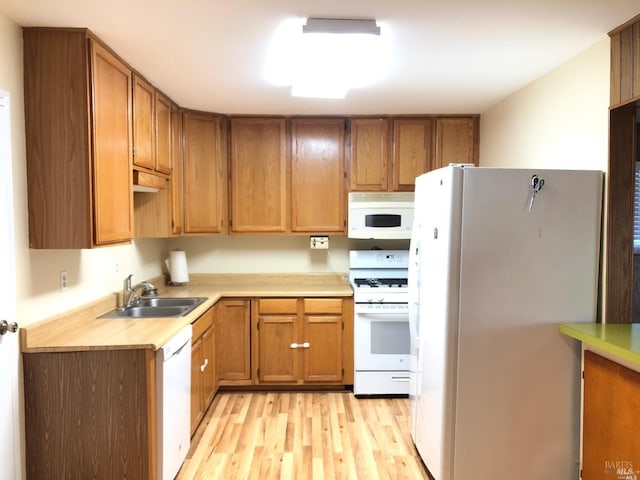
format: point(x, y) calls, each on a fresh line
point(325, 57)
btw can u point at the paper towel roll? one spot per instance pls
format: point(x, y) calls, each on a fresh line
point(178, 267)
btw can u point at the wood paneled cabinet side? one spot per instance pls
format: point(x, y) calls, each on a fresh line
point(90, 414)
point(78, 140)
point(300, 341)
point(259, 176)
point(203, 365)
point(456, 141)
point(318, 195)
point(369, 163)
point(412, 151)
point(610, 421)
point(204, 173)
point(233, 348)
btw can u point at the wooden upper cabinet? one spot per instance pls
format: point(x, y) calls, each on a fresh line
point(625, 63)
point(78, 141)
point(369, 163)
point(143, 123)
point(177, 172)
point(412, 151)
point(259, 176)
point(112, 178)
point(163, 133)
point(317, 175)
point(204, 172)
point(456, 141)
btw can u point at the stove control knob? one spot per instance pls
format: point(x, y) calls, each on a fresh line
point(381, 299)
point(369, 300)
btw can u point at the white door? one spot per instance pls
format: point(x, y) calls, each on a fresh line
point(9, 439)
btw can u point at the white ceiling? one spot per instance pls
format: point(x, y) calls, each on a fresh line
point(449, 56)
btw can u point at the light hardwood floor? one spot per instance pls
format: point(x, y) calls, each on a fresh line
point(303, 435)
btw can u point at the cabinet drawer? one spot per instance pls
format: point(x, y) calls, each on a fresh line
point(278, 305)
point(322, 305)
point(201, 325)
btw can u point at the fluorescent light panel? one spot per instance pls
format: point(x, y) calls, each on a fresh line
point(327, 57)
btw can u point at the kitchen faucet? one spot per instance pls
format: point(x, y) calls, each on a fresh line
point(129, 297)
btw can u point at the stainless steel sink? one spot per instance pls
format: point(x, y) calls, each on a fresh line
point(171, 301)
point(157, 307)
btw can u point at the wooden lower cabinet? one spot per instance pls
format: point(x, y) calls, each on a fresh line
point(234, 342)
point(611, 402)
point(90, 414)
point(300, 341)
point(203, 365)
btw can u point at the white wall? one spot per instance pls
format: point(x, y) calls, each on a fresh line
point(239, 254)
point(91, 273)
point(558, 121)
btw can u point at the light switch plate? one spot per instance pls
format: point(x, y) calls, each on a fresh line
point(319, 242)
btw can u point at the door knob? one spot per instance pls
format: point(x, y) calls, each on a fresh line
point(8, 327)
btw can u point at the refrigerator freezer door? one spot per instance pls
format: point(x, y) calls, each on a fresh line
point(525, 267)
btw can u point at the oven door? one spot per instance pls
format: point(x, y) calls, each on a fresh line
point(382, 340)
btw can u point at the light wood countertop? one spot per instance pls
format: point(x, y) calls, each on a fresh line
point(81, 329)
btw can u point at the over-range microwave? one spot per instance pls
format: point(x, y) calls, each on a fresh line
point(380, 215)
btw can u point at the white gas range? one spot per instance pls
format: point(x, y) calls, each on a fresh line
point(381, 321)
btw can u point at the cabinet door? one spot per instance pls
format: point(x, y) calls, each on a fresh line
point(112, 166)
point(610, 443)
point(369, 155)
point(317, 175)
point(176, 174)
point(143, 123)
point(163, 133)
point(203, 170)
point(233, 346)
point(259, 186)
point(196, 384)
point(208, 367)
point(412, 151)
point(456, 141)
point(323, 357)
point(278, 360)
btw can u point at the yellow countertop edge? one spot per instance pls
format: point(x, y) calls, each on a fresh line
point(607, 337)
point(201, 285)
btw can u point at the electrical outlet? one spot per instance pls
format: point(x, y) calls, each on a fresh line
point(64, 283)
point(319, 242)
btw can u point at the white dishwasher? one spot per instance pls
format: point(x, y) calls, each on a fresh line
point(173, 400)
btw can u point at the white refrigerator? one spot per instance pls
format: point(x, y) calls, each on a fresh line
point(500, 257)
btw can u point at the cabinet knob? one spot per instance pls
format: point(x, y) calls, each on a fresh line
point(8, 327)
point(294, 345)
point(305, 345)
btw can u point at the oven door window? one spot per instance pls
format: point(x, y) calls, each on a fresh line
point(390, 338)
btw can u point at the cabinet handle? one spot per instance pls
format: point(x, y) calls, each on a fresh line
point(204, 365)
point(294, 345)
point(8, 327)
point(305, 345)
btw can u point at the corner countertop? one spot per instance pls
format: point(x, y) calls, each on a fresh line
point(621, 340)
point(81, 329)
